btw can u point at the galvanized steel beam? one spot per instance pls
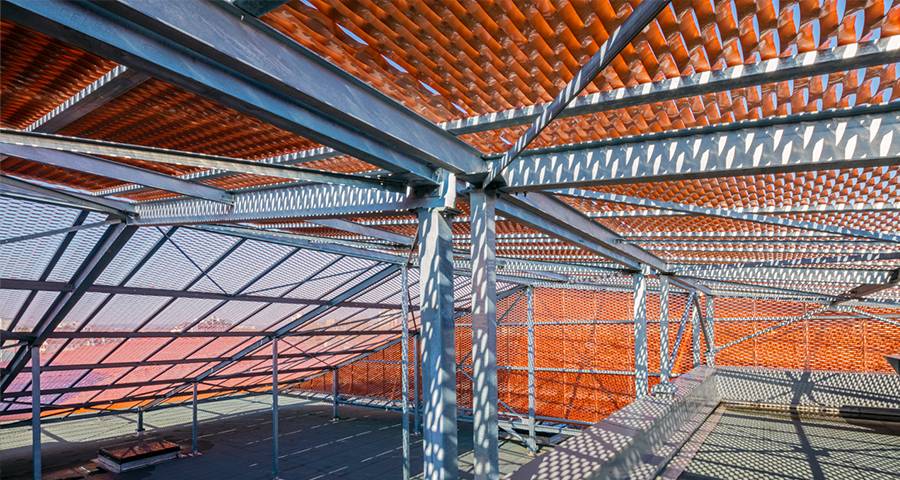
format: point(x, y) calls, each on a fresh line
point(208, 49)
point(731, 214)
point(115, 170)
point(174, 157)
point(858, 137)
point(404, 370)
point(13, 187)
point(641, 381)
point(36, 411)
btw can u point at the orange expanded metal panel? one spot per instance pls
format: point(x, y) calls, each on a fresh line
point(37, 73)
point(449, 59)
point(874, 86)
point(780, 190)
point(826, 342)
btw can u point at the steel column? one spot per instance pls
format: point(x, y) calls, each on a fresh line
point(404, 367)
point(484, 335)
point(710, 332)
point(195, 448)
point(36, 410)
point(665, 369)
point(439, 350)
point(640, 335)
point(140, 423)
point(274, 407)
point(416, 401)
point(532, 440)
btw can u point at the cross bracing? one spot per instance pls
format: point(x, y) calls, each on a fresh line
point(277, 207)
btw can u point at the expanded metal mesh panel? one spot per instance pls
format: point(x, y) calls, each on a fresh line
point(581, 333)
point(445, 61)
point(27, 56)
point(124, 312)
point(181, 314)
point(84, 310)
point(28, 259)
point(135, 350)
point(36, 309)
point(11, 302)
point(78, 250)
point(250, 260)
point(291, 273)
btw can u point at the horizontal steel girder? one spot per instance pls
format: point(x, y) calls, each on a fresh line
point(864, 136)
point(813, 275)
point(13, 187)
point(209, 49)
point(191, 159)
point(293, 202)
point(731, 214)
point(115, 170)
point(181, 361)
point(18, 284)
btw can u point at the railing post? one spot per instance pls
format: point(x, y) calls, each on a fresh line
point(404, 367)
point(275, 407)
point(695, 337)
point(36, 410)
point(194, 427)
point(335, 392)
point(711, 332)
point(416, 400)
point(532, 434)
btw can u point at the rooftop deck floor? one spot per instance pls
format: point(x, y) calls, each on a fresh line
point(235, 438)
point(751, 444)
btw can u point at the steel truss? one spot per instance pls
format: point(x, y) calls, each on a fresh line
point(206, 48)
